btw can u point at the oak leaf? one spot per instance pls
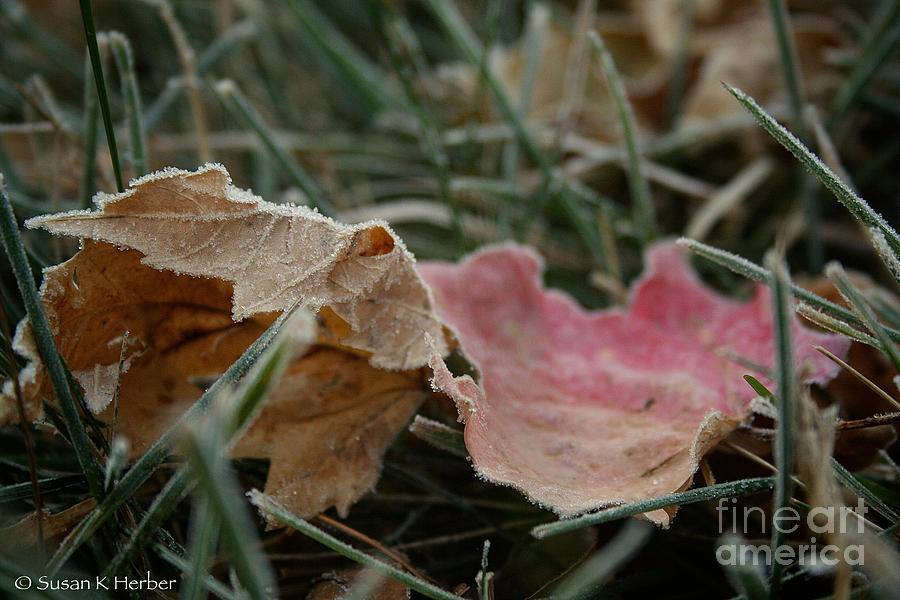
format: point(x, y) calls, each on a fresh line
point(185, 271)
point(582, 409)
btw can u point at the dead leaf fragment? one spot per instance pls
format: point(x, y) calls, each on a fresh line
point(23, 534)
point(350, 582)
point(582, 409)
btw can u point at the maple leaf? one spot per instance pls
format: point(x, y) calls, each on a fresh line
point(194, 270)
point(582, 409)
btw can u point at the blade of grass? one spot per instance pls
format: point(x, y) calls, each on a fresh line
point(848, 480)
point(221, 492)
point(363, 76)
point(439, 435)
point(553, 183)
point(862, 378)
point(785, 392)
point(271, 507)
point(209, 60)
point(876, 49)
point(680, 64)
point(856, 205)
point(790, 65)
point(91, 117)
point(212, 584)
point(133, 112)
point(484, 579)
point(453, 23)
point(429, 137)
point(837, 276)
point(15, 251)
point(147, 464)
point(234, 100)
point(251, 395)
point(20, 491)
point(90, 32)
point(535, 33)
point(642, 205)
point(588, 579)
point(742, 487)
point(191, 80)
point(748, 269)
point(887, 257)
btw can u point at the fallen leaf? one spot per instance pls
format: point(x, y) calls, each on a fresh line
point(330, 418)
point(23, 534)
point(342, 584)
point(582, 409)
point(274, 255)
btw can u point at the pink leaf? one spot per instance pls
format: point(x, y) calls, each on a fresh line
point(581, 409)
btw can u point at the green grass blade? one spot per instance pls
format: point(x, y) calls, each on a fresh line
point(876, 49)
point(90, 31)
point(588, 579)
point(748, 269)
point(790, 65)
point(362, 76)
point(848, 480)
point(15, 251)
point(856, 205)
point(271, 507)
point(251, 393)
point(121, 50)
point(21, 491)
point(681, 64)
point(212, 584)
point(860, 306)
point(742, 487)
point(224, 45)
point(91, 117)
point(439, 435)
point(221, 491)
point(786, 394)
point(235, 101)
point(147, 464)
point(202, 540)
point(209, 60)
point(429, 137)
point(644, 217)
point(553, 183)
point(456, 27)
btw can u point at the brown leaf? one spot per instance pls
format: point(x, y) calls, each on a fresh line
point(330, 418)
point(274, 255)
point(338, 585)
point(24, 533)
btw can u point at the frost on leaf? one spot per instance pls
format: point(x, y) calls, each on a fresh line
point(582, 409)
point(194, 270)
point(274, 255)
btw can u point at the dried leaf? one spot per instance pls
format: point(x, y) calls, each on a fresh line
point(23, 534)
point(330, 418)
point(582, 409)
point(342, 584)
point(274, 255)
